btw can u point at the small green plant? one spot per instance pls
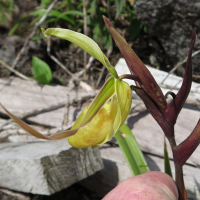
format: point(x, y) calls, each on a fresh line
point(62, 14)
point(6, 10)
point(41, 71)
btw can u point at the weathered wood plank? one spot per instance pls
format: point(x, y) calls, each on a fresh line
point(21, 96)
point(45, 167)
point(30, 95)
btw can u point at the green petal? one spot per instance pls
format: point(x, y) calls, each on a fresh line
point(80, 118)
point(124, 97)
point(106, 93)
point(116, 115)
point(96, 130)
point(84, 42)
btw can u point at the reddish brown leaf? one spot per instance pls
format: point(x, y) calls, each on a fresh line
point(184, 150)
point(155, 112)
point(136, 67)
point(173, 109)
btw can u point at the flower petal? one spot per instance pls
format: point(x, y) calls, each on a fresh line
point(97, 129)
point(115, 115)
point(107, 91)
point(137, 67)
point(84, 42)
point(32, 131)
point(124, 97)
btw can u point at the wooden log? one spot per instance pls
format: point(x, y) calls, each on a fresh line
point(45, 167)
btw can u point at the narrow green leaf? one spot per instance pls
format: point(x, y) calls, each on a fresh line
point(41, 71)
point(119, 6)
point(93, 7)
point(131, 150)
point(84, 42)
point(17, 25)
point(166, 160)
point(72, 12)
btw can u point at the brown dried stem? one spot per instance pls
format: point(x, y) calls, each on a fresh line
point(14, 71)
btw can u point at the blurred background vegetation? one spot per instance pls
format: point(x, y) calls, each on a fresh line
point(18, 18)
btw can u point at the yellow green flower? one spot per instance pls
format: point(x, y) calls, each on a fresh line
point(103, 117)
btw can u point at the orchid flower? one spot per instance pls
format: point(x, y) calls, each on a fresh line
point(103, 117)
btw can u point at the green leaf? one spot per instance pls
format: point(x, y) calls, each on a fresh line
point(84, 42)
point(119, 6)
point(36, 37)
point(131, 150)
point(93, 7)
point(166, 160)
point(41, 71)
point(17, 25)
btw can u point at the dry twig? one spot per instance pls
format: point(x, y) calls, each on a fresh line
point(103, 69)
point(14, 71)
point(178, 65)
point(32, 34)
point(55, 59)
point(85, 32)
